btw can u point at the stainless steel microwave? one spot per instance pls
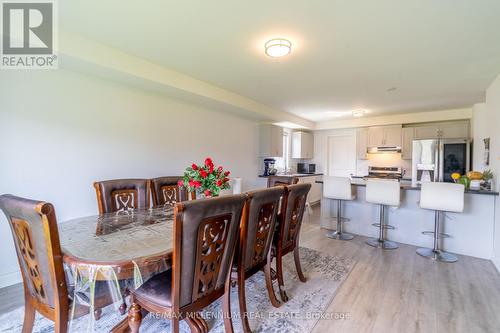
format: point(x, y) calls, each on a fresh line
point(307, 168)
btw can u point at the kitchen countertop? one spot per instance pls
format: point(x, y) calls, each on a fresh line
point(406, 185)
point(295, 175)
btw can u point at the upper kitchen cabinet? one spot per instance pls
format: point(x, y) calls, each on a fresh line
point(381, 136)
point(362, 143)
point(271, 141)
point(452, 130)
point(407, 147)
point(302, 145)
point(427, 132)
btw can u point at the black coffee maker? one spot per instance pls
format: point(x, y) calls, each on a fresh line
point(269, 166)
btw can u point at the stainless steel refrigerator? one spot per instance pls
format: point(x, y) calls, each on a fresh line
point(436, 159)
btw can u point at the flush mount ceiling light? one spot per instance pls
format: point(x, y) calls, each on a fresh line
point(278, 47)
point(358, 113)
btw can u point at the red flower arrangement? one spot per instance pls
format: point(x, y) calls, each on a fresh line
point(205, 179)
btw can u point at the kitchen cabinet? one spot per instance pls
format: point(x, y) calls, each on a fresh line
point(271, 141)
point(407, 147)
point(452, 130)
point(375, 136)
point(316, 191)
point(362, 143)
point(302, 145)
point(427, 132)
point(392, 135)
point(384, 136)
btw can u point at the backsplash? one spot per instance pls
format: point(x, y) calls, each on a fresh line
point(384, 160)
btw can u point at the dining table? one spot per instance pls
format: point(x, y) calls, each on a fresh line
point(115, 253)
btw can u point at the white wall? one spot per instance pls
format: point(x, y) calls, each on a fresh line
point(482, 127)
point(60, 131)
point(493, 117)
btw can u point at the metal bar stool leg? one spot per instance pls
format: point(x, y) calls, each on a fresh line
point(339, 234)
point(381, 242)
point(435, 253)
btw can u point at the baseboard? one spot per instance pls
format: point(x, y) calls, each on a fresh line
point(9, 279)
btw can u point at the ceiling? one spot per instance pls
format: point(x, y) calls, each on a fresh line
point(387, 56)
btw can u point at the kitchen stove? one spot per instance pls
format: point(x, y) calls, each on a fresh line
point(387, 173)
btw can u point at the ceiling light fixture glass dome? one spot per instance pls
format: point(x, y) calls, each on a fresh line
point(278, 47)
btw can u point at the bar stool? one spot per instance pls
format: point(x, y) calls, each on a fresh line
point(440, 197)
point(339, 189)
point(383, 193)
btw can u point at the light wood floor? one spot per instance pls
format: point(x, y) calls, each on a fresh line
point(399, 291)
point(393, 291)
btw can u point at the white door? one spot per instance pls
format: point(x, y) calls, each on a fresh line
point(342, 155)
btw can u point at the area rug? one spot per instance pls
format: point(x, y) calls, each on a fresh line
point(307, 302)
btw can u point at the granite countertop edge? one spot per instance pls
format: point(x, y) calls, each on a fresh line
point(300, 175)
point(412, 188)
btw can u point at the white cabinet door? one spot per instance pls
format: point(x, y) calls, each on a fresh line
point(407, 147)
point(454, 130)
point(427, 132)
point(375, 136)
point(302, 145)
point(271, 141)
point(392, 135)
point(362, 143)
point(342, 155)
point(307, 145)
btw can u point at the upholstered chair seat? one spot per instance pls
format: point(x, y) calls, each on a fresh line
point(157, 290)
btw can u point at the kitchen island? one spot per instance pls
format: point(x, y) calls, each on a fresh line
point(471, 231)
point(315, 194)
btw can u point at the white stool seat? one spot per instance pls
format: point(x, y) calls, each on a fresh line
point(383, 192)
point(338, 188)
point(447, 197)
point(440, 197)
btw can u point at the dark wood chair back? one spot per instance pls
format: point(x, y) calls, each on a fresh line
point(205, 237)
point(34, 229)
point(281, 181)
point(122, 194)
point(292, 212)
point(257, 227)
point(166, 191)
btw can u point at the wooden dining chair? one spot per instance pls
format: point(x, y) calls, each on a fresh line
point(286, 238)
point(166, 191)
point(254, 251)
point(281, 181)
point(36, 239)
point(205, 238)
point(122, 194)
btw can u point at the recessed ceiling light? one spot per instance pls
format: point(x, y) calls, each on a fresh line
point(358, 113)
point(278, 47)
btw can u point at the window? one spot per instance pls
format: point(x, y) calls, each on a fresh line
point(283, 163)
